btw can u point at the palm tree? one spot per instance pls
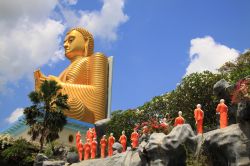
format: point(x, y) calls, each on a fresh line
point(45, 116)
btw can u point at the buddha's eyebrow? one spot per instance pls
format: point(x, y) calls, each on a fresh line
point(67, 38)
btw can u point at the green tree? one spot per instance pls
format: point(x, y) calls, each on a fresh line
point(20, 153)
point(238, 69)
point(196, 88)
point(154, 110)
point(122, 120)
point(45, 116)
point(157, 108)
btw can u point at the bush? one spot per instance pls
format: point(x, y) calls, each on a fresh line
point(73, 149)
point(5, 141)
point(55, 150)
point(21, 153)
point(196, 88)
point(122, 120)
point(150, 115)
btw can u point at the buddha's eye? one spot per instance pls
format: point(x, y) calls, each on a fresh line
point(70, 40)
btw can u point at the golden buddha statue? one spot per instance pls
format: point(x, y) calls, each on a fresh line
point(84, 80)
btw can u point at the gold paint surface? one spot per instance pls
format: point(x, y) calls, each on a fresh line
point(85, 80)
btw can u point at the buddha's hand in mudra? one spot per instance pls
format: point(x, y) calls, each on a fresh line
point(39, 79)
point(54, 78)
point(42, 78)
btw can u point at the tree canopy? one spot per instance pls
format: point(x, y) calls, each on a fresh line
point(45, 116)
point(196, 88)
point(238, 69)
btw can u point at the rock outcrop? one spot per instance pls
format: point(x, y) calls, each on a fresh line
point(228, 146)
point(223, 147)
point(40, 158)
point(53, 163)
point(117, 148)
point(100, 127)
point(169, 149)
point(128, 158)
point(160, 150)
point(72, 157)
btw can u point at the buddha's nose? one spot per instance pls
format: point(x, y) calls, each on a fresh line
point(66, 45)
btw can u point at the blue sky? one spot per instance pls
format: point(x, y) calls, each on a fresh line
point(154, 43)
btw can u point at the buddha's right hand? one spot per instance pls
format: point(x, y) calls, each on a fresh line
point(42, 78)
point(54, 78)
point(39, 79)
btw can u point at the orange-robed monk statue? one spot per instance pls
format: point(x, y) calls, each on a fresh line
point(123, 141)
point(103, 144)
point(93, 148)
point(134, 139)
point(222, 110)
point(84, 80)
point(111, 141)
point(179, 120)
point(199, 116)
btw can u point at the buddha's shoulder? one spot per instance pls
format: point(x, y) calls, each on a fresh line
point(99, 55)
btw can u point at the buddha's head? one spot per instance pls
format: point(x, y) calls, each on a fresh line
point(78, 42)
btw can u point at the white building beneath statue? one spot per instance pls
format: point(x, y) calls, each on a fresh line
point(67, 136)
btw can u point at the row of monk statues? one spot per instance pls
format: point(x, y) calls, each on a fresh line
point(88, 149)
point(221, 110)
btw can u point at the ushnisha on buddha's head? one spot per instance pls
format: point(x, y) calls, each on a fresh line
point(78, 42)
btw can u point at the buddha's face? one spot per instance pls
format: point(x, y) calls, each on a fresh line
point(74, 44)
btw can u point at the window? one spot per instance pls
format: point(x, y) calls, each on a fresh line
point(71, 138)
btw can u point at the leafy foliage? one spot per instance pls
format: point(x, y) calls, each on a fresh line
point(55, 150)
point(20, 153)
point(156, 109)
point(5, 141)
point(45, 116)
point(196, 88)
point(150, 115)
point(122, 120)
point(238, 69)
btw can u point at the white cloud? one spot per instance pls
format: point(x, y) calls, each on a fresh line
point(206, 54)
point(15, 115)
point(32, 31)
point(27, 47)
point(11, 11)
point(72, 2)
point(29, 40)
point(104, 23)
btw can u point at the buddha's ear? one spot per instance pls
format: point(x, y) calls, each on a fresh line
point(86, 46)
